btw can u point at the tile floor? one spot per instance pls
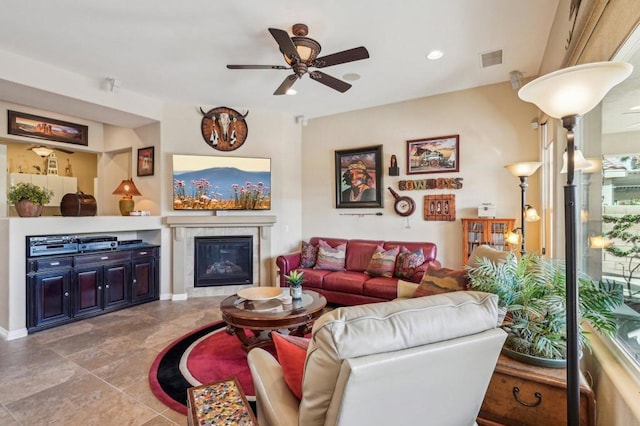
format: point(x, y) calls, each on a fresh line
point(94, 372)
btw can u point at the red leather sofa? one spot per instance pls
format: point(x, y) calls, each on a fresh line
point(352, 286)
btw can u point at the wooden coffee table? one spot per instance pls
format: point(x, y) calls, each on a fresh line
point(264, 316)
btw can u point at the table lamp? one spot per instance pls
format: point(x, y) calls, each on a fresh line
point(127, 189)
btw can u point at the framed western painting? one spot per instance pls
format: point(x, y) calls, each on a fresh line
point(145, 161)
point(34, 126)
point(433, 155)
point(359, 177)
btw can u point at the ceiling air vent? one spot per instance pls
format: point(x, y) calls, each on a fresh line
point(491, 58)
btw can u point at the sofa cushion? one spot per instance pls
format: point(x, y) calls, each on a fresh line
point(407, 262)
point(345, 281)
point(313, 277)
point(382, 262)
point(308, 255)
point(380, 287)
point(291, 352)
point(441, 280)
point(406, 289)
point(330, 258)
point(359, 254)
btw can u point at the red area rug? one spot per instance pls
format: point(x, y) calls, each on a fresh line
point(205, 355)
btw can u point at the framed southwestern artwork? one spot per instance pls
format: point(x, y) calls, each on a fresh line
point(433, 155)
point(145, 161)
point(34, 126)
point(359, 177)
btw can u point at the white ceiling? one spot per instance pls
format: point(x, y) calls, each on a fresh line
point(178, 51)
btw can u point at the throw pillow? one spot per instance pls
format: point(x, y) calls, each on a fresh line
point(443, 280)
point(408, 262)
point(291, 352)
point(308, 255)
point(382, 262)
point(406, 289)
point(330, 258)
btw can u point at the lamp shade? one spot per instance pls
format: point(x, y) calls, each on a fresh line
point(596, 165)
point(579, 162)
point(531, 214)
point(523, 169)
point(575, 90)
point(127, 188)
point(42, 151)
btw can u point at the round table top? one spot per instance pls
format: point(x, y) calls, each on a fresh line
point(238, 309)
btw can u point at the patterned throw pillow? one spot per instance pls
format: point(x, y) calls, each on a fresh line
point(308, 255)
point(331, 258)
point(443, 280)
point(382, 262)
point(407, 262)
point(291, 352)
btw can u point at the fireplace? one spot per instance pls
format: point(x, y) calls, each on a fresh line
point(221, 261)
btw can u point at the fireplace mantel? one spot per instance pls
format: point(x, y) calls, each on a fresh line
point(186, 228)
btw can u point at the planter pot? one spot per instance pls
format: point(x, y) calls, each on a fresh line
point(296, 292)
point(26, 208)
point(534, 360)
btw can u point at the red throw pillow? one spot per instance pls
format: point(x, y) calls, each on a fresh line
point(443, 280)
point(292, 352)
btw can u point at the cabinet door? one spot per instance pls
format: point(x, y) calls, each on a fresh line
point(116, 279)
point(497, 230)
point(88, 291)
point(48, 299)
point(143, 284)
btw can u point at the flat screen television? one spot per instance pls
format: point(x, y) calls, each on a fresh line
point(203, 182)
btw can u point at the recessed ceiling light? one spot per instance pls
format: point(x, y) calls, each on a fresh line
point(291, 91)
point(635, 108)
point(435, 54)
point(351, 76)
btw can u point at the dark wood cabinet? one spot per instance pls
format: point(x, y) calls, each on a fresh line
point(479, 231)
point(524, 395)
point(62, 289)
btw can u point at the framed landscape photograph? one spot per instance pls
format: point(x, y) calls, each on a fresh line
point(433, 155)
point(145, 161)
point(34, 126)
point(359, 177)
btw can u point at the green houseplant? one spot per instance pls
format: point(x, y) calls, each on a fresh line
point(28, 198)
point(295, 280)
point(532, 290)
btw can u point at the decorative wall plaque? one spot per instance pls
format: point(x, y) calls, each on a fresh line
point(223, 128)
point(440, 207)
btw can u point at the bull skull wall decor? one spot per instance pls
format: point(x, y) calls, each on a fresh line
point(223, 128)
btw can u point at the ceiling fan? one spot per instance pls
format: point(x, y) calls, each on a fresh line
point(301, 53)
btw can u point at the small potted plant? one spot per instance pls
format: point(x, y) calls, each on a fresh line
point(295, 280)
point(28, 198)
point(532, 290)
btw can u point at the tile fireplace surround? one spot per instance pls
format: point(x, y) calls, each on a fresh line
point(186, 228)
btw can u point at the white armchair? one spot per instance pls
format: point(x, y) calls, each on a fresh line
point(426, 360)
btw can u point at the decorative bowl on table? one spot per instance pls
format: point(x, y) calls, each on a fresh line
point(260, 293)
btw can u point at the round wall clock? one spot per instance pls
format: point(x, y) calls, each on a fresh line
point(403, 205)
point(223, 128)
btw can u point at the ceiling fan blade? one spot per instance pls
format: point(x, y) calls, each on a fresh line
point(284, 41)
point(258, 67)
point(286, 85)
point(355, 54)
point(327, 80)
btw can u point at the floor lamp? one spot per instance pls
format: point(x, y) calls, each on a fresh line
point(567, 94)
point(527, 213)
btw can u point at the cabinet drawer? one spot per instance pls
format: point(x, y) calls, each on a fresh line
point(46, 264)
point(144, 252)
point(102, 257)
point(512, 399)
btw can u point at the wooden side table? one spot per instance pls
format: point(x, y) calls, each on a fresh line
point(219, 403)
point(522, 394)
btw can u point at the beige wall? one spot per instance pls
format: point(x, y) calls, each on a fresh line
point(495, 130)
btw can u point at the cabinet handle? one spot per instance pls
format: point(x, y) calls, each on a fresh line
point(99, 287)
point(104, 258)
point(135, 281)
point(106, 286)
point(538, 396)
point(142, 253)
point(66, 294)
point(54, 263)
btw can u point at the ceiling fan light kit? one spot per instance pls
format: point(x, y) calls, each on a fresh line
point(301, 53)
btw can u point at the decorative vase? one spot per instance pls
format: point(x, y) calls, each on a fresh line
point(26, 208)
point(295, 292)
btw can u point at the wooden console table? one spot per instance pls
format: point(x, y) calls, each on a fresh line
point(521, 394)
